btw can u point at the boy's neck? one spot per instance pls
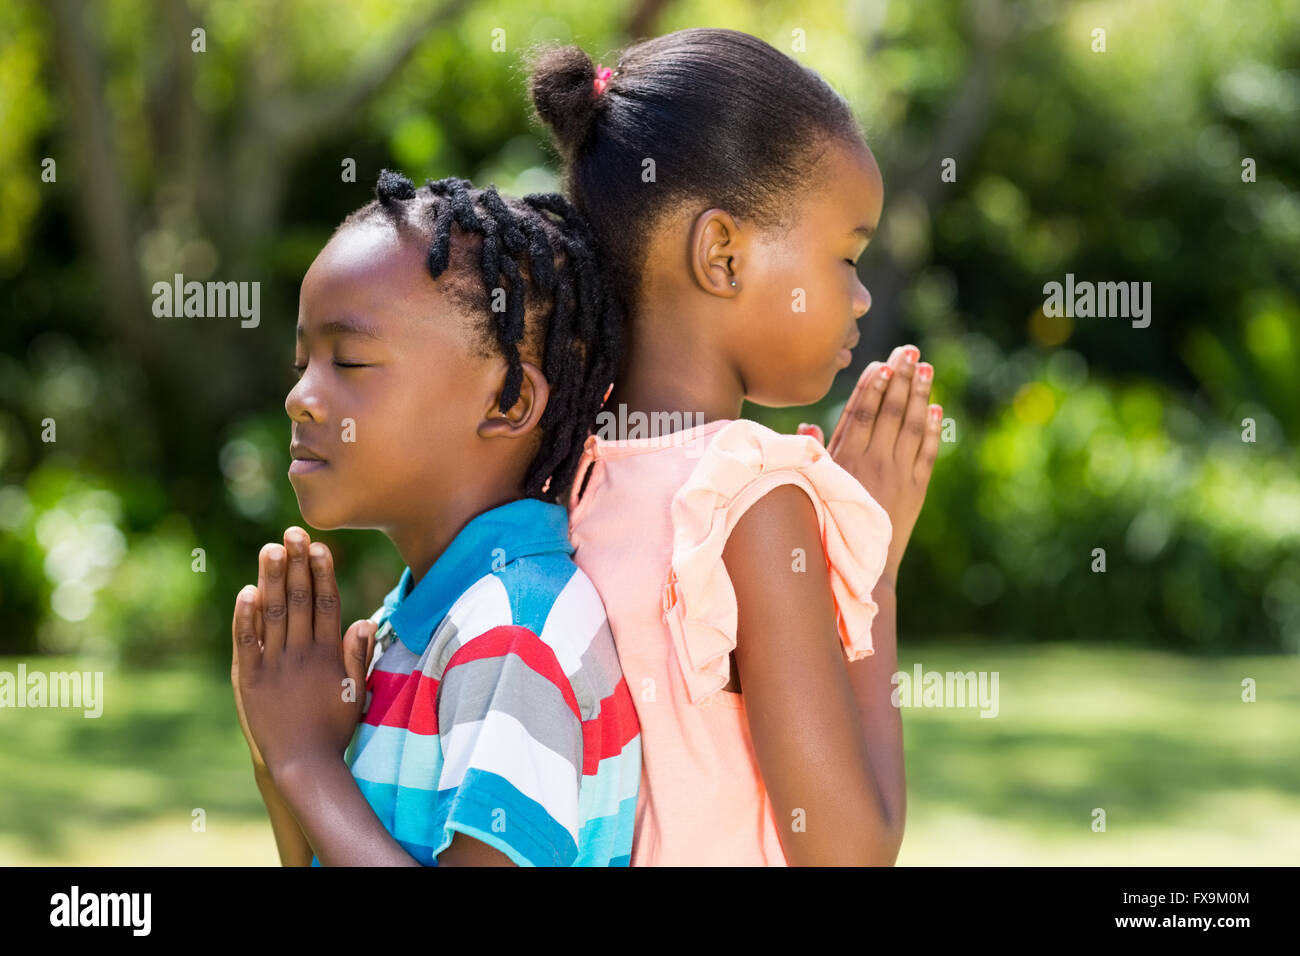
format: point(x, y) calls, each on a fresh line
point(422, 541)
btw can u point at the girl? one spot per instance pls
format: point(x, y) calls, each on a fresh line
point(732, 190)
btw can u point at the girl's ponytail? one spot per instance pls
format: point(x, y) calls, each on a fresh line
point(697, 118)
point(565, 94)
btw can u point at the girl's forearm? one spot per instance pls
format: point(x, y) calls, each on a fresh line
point(882, 724)
point(289, 838)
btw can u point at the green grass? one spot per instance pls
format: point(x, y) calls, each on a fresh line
point(1186, 772)
point(121, 788)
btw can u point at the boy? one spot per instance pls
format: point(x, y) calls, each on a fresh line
point(497, 728)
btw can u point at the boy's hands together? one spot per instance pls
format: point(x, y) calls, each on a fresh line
point(299, 690)
point(888, 438)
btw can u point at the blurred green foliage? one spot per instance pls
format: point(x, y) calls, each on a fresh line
point(1070, 434)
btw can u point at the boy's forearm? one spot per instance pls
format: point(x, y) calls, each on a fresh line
point(882, 723)
point(290, 841)
point(324, 798)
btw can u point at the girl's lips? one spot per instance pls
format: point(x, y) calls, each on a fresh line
point(301, 466)
point(845, 357)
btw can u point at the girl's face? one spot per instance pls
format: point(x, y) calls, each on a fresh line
point(803, 291)
point(390, 388)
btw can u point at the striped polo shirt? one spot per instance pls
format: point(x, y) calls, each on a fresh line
point(495, 706)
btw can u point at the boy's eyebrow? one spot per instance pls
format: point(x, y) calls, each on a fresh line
point(351, 325)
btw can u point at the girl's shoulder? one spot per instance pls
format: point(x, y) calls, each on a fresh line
point(742, 463)
point(744, 460)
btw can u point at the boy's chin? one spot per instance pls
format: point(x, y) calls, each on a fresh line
point(321, 518)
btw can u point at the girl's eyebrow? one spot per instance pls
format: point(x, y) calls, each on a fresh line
point(866, 232)
point(350, 325)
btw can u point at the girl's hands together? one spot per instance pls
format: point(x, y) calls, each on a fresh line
point(888, 438)
point(299, 690)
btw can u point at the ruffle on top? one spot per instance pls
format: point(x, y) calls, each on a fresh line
point(745, 461)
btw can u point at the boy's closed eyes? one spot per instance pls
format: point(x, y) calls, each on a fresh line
point(387, 360)
point(420, 410)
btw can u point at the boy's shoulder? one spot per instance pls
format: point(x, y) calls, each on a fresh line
point(541, 607)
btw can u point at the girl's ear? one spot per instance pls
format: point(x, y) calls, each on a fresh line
point(524, 417)
point(714, 252)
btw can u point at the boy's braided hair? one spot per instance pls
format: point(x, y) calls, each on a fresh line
point(551, 274)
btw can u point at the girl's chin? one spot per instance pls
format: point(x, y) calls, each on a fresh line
point(817, 389)
point(789, 397)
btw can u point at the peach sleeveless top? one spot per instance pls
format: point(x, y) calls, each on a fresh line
point(649, 530)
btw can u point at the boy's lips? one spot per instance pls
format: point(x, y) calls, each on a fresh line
point(304, 460)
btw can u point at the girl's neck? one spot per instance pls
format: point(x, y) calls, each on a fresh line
point(689, 378)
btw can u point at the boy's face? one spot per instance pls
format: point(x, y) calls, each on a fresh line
point(391, 385)
point(791, 357)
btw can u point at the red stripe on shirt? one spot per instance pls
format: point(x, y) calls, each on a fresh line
point(611, 731)
point(524, 644)
point(424, 712)
point(413, 707)
point(384, 686)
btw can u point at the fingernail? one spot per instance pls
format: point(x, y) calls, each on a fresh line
point(925, 371)
point(275, 557)
point(936, 411)
point(911, 353)
point(886, 373)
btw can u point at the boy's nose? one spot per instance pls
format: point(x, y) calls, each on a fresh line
point(303, 402)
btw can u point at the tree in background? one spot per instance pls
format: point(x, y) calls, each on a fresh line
point(1014, 151)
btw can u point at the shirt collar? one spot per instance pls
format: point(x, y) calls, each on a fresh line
point(488, 543)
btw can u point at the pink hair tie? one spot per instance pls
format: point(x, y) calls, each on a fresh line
point(603, 74)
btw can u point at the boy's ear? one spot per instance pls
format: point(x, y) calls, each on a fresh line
point(524, 417)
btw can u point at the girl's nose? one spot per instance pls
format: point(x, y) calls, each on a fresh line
point(861, 302)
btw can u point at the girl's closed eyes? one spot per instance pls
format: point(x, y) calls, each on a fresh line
point(743, 301)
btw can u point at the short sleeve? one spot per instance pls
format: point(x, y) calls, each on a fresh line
point(510, 729)
point(744, 462)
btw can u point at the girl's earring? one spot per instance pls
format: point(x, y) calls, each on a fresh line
point(733, 283)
